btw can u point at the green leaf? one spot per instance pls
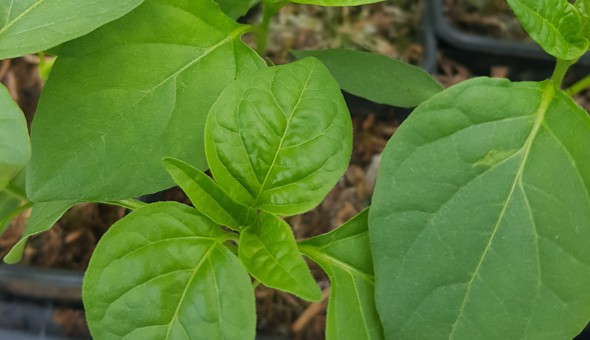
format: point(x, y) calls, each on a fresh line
point(30, 26)
point(207, 197)
point(480, 224)
point(15, 148)
point(43, 217)
point(8, 203)
point(376, 77)
point(269, 251)
point(336, 2)
point(279, 139)
point(162, 272)
point(236, 8)
point(140, 89)
point(583, 7)
point(554, 24)
point(346, 257)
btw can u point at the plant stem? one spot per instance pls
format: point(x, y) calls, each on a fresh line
point(16, 192)
point(13, 214)
point(130, 204)
point(560, 70)
point(269, 9)
point(579, 86)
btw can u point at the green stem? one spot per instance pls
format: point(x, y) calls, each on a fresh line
point(13, 214)
point(16, 192)
point(130, 204)
point(579, 86)
point(269, 9)
point(560, 70)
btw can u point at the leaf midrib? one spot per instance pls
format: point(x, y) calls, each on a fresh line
point(200, 264)
point(276, 156)
point(20, 16)
point(547, 96)
point(232, 36)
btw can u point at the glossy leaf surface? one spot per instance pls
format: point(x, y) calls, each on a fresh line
point(269, 251)
point(376, 77)
point(43, 217)
point(207, 197)
point(480, 221)
point(30, 26)
point(141, 90)
point(346, 257)
point(236, 8)
point(162, 272)
point(336, 2)
point(15, 148)
point(556, 25)
point(279, 139)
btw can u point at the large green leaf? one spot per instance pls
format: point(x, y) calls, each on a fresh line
point(140, 89)
point(480, 224)
point(43, 217)
point(336, 2)
point(346, 257)
point(162, 272)
point(29, 26)
point(377, 77)
point(236, 8)
point(279, 139)
point(269, 251)
point(15, 148)
point(556, 25)
point(207, 197)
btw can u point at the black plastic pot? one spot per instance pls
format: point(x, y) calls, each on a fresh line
point(485, 44)
point(29, 298)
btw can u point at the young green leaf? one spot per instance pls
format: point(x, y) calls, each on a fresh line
point(345, 256)
point(30, 26)
point(43, 217)
point(488, 233)
point(376, 77)
point(15, 148)
point(141, 90)
point(269, 252)
point(336, 2)
point(207, 197)
point(583, 7)
point(556, 25)
point(162, 272)
point(236, 8)
point(279, 139)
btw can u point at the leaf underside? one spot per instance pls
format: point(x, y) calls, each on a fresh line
point(345, 256)
point(376, 77)
point(279, 139)
point(488, 234)
point(163, 272)
point(141, 91)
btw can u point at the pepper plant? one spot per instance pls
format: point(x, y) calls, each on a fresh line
point(480, 222)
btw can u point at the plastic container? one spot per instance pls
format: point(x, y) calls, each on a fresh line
point(485, 44)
